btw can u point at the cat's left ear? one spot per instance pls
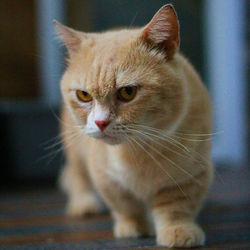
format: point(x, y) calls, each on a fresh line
point(71, 38)
point(163, 30)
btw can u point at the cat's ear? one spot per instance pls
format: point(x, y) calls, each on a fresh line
point(71, 38)
point(163, 30)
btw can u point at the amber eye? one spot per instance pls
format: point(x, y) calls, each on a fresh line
point(83, 96)
point(127, 94)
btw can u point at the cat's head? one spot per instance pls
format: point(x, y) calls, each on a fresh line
point(124, 80)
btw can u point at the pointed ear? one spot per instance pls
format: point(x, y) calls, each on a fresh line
point(163, 30)
point(71, 38)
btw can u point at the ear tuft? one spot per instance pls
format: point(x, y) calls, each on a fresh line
point(163, 30)
point(71, 38)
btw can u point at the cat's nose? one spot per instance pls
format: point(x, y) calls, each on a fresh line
point(102, 124)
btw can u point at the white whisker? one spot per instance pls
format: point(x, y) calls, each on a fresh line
point(169, 160)
point(172, 140)
point(160, 166)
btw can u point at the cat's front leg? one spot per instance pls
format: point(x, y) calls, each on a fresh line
point(82, 199)
point(174, 214)
point(129, 214)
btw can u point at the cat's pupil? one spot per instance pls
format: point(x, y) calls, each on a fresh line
point(84, 93)
point(129, 90)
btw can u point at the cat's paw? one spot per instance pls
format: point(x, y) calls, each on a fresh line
point(83, 205)
point(129, 228)
point(182, 235)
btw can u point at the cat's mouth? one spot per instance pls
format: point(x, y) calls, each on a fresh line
point(110, 139)
point(107, 137)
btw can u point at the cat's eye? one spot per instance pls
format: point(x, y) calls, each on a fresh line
point(127, 94)
point(83, 96)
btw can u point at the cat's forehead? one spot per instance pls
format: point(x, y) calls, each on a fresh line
point(110, 63)
point(101, 68)
point(112, 47)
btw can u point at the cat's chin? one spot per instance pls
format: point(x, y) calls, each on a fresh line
point(110, 139)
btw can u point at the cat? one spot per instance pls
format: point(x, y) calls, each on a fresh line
point(136, 122)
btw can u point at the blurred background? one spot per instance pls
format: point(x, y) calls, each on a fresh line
point(214, 36)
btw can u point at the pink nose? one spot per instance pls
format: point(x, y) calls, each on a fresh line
point(102, 124)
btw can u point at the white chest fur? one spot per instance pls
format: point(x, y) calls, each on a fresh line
point(130, 179)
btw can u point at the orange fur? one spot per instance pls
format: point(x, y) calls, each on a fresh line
point(146, 171)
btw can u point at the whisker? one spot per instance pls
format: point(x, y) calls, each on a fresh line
point(175, 143)
point(199, 135)
point(194, 140)
point(191, 153)
point(194, 152)
point(63, 147)
point(60, 141)
point(55, 152)
point(160, 166)
point(168, 148)
point(172, 162)
point(57, 137)
point(180, 133)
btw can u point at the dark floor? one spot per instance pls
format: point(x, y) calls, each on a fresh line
point(34, 218)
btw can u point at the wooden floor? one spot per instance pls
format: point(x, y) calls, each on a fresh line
point(33, 218)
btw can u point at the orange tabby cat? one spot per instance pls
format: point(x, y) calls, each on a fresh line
point(135, 117)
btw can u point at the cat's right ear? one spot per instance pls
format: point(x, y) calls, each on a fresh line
point(70, 37)
point(163, 31)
